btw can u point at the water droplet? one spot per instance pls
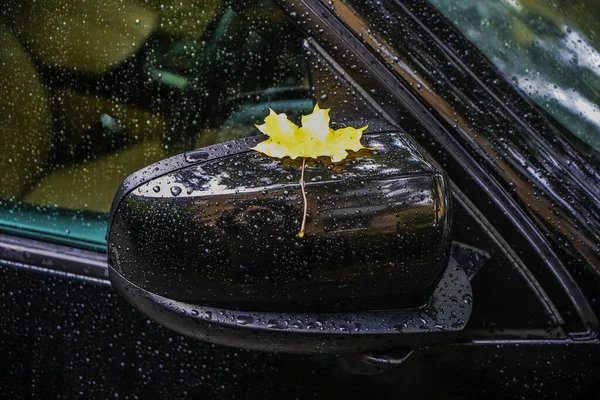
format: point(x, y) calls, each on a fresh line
point(458, 324)
point(467, 299)
point(273, 323)
point(156, 189)
point(175, 190)
point(298, 325)
point(244, 319)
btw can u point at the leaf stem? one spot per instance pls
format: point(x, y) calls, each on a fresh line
point(301, 233)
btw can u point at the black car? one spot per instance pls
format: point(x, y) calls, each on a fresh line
point(457, 256)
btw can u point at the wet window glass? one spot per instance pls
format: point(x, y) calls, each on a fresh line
point(549, 48)
point(93, 91)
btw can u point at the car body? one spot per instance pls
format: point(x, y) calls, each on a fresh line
point(525, 196)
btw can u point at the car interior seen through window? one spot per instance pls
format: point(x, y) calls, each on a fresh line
point(93, 91)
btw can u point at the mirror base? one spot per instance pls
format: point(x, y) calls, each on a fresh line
point(349, 332)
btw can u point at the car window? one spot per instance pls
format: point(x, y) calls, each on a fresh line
point(93, 91)
point(549, 48)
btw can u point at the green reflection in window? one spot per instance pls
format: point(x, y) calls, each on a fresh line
point(549, 48)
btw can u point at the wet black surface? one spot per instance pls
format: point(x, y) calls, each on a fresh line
point(440, 321)
point(533, 183)
point(73, 339)
point(225, 232)
point(66, 338)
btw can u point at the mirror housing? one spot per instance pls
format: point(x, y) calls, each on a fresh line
point(206, 243)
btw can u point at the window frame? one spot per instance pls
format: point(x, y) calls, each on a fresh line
point(471, 165)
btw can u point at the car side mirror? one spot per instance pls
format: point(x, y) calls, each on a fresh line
point(206, 243)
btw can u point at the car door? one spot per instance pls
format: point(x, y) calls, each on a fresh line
point(178, 83)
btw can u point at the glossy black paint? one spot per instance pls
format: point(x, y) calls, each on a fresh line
point(444, 316)
point(553, 176)
point(58, 339)
point(510, 302)
point(68, 338)
point(378, 67)
point(224, 231)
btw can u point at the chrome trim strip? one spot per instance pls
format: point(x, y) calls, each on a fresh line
point(53, 258)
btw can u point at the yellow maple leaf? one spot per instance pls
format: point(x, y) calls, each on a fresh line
point(311, 140)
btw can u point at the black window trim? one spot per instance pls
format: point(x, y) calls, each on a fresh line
point(334, 37)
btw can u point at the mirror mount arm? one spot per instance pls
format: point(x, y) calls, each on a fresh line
point(471, 260)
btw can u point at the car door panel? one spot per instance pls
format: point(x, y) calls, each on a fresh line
point(524, 199)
